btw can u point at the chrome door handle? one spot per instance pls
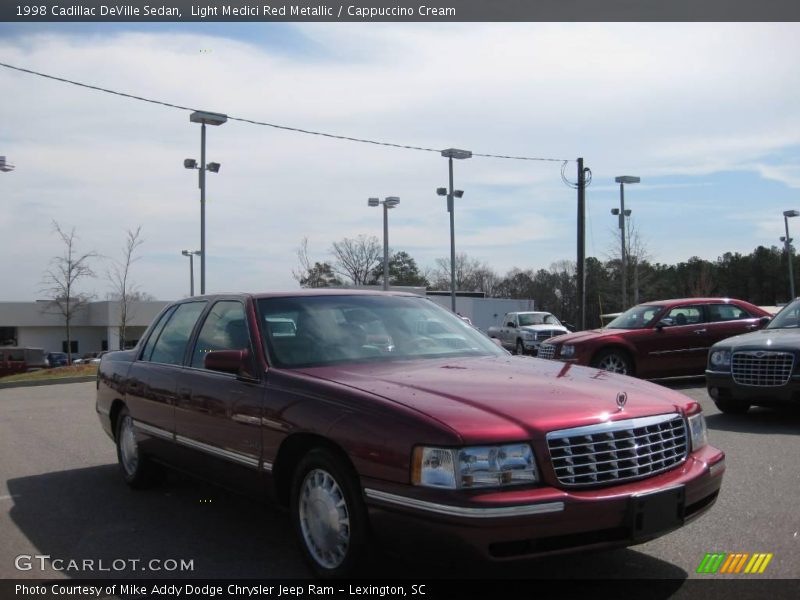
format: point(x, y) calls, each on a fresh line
point(699, 331)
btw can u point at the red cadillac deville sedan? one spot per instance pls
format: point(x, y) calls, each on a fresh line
point(664, 338)
point(345, 409)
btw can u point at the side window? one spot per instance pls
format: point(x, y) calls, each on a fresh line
point(225, 328)
point(684, 315)
point(726, 312)
point(170, 346)
point(151, 341)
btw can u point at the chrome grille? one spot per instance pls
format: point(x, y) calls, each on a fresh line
point(618, 451)
point(762, 368)
point(546, 351)
point(545, 334)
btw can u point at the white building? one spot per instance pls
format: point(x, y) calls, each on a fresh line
point(94, 327)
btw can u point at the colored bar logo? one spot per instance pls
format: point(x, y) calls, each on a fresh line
point(737, 562)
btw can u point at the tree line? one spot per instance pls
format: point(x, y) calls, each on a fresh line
point(760, 277)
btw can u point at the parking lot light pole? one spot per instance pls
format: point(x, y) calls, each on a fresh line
point(450, 154)
point(622, 180)
point(788, 245)
point(191, 254)
point(389, 202)
point(204, 118)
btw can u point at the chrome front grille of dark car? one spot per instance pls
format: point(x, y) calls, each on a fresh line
point(547, 351)
point(618, 450)
point(761, 367)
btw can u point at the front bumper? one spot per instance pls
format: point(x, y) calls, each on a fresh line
point(507, 525)
point(721, 386)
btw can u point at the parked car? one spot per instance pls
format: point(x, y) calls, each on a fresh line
point(462, 446)
point(758, 368)
point(56, 359)
point(658, 339)
point(523, 332)
point(14, 359)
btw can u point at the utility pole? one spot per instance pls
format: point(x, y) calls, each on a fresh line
point(581, 273)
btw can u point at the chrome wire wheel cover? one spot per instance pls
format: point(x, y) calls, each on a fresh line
point(324, 519)
point(614, 363)
point(128, 449)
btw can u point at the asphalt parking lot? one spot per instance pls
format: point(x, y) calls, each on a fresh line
point(61, 496)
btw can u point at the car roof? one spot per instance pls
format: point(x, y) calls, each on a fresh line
point(694, 301)
point(306, 292)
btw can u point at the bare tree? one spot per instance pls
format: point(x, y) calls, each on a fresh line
point(312, 274)
point(124, 290)
point(357, 258)
point(470, 273)
point(60, 280)
point(636, 253)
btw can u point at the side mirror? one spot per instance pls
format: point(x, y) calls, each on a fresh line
point(764, 321)
point(236, 362)
point(510, 324)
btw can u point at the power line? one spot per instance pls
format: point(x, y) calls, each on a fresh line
point(274, 125)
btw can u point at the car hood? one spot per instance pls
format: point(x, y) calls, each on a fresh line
point(509, 397)
point(763, 339)
point(583, 336)
point(543, 327)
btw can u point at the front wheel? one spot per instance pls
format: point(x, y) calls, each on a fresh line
point(520, 347)
point(328, 514)
point(615, 361)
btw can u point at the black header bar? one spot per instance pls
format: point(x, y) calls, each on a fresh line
point(431, 11)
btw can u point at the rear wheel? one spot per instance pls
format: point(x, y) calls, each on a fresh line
point(615, 361)
point(329, 514)
point(137, 470)
point(732, 407)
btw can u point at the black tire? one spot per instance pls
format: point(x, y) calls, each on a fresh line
point(138, 471)
point(615, 361)
point(324, 486)
point(520, 347)
point(732, 407)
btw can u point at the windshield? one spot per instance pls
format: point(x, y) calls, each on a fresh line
point(788, 318)
point(537, 319)
point(637, 317)
point(347, 329)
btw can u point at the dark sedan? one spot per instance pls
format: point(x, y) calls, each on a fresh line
point(369, 428)
point(759, 368)
point(666, 338)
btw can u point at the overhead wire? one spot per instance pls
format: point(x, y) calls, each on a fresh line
point(275, 125)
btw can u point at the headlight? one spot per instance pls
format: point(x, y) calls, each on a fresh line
point(474, 467)
point(567, 351)
point(720, 358)
point(528, 335)
point(698, 431)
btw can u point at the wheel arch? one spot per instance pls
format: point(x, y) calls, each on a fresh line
point(292, 450)
point(617, 347)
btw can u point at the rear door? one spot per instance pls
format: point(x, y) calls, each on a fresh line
point(727, 319)
point(153, 377)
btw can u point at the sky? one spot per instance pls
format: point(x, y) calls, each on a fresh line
point(706, 114)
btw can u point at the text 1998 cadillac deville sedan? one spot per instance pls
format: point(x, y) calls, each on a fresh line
point(345, 408)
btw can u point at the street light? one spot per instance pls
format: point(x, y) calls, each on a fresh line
point(191, 254)
point(389, 202)
point(450, 154)
point(622, 180)
point(788, 245)
point(204, 118)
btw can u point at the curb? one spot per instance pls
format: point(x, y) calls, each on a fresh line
point(16, 384)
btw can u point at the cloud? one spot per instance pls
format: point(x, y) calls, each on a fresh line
point(676, 104)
